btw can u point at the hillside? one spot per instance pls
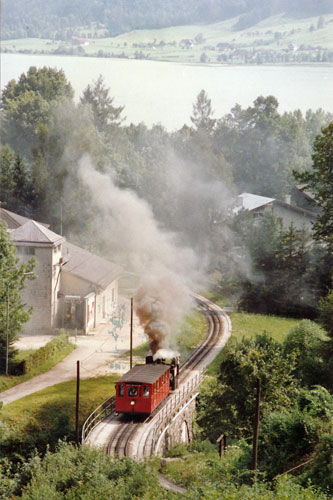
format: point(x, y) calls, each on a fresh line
point(277, 39)
point(61, 19)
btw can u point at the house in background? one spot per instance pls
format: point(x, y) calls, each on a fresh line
point(285, 212)
point(74, 289)
point(303, 198)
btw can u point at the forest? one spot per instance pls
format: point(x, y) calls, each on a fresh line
point(190, 179)
point(37, 19)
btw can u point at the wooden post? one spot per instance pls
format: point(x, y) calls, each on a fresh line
point(256, 426)
point(77, 403)
point(7, 330)
point(131, 335)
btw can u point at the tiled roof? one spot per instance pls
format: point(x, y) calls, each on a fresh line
point(88, 266)
point(14, 220)
point(33, 232)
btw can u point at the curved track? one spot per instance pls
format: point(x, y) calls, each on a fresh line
point(123, 437)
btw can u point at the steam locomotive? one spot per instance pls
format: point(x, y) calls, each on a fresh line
point(144, 387)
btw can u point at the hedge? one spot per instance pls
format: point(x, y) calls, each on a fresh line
point(46, 353)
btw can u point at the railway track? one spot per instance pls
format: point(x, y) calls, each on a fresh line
point(120, 437)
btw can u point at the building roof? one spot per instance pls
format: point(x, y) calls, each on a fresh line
point(13, 220)
point(32, 232)
point(88, 266)
point(144, 374)
point(252, 201)
point(307, 193)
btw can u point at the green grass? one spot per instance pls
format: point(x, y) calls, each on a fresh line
point(11, 380)
point(249, 325)
point(41, 408)
point(197, 463)
point(191, 333)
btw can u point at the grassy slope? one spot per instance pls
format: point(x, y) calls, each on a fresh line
point(41, 407)
point(249, 325)
point(213, 34)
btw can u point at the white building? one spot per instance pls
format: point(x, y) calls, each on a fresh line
point(74, 288)
point(285, 212)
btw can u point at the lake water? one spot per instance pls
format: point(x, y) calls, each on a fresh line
point(160, 92)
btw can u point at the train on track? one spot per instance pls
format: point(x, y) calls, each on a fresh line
point(144, 387)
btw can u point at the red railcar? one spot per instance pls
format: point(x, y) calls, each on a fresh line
point(142, 388)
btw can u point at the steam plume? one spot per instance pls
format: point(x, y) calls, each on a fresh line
point(168, 271)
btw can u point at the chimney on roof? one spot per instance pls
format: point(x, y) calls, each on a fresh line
point(287, 198)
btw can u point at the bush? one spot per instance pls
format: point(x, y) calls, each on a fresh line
point(46, 353)
point(305, 343)
point(227, 405)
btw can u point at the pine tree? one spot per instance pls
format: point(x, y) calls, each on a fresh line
point(7, 158)
point(320, 182)
point(202, 114)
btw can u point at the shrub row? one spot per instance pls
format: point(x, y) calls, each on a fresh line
point(44, 354)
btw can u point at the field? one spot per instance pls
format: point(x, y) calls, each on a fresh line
point(276, 39)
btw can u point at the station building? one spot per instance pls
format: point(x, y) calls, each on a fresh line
point(75, 289)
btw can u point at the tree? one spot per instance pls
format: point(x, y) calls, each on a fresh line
point(12, 279)
point(291, 437)
point(228, 405)
point(22, 189)
point(26, 103)
point(105, 113)
point(202, 114)
point(283, 278)
point(306, 343)
point(320, 181)
point(7, 157)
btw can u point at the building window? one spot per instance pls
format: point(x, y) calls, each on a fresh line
point(26, 250)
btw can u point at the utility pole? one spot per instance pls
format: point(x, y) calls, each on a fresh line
point(256, 425)
point(131, 335)
point(7, 329)
point(77, 403)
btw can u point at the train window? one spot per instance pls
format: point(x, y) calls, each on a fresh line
point(120, 389)
point(146, 391)
point(133, 391)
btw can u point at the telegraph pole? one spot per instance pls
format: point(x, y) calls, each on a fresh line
point(77, 403)
point(7, 329)
point(131, 335)
point(256, 425)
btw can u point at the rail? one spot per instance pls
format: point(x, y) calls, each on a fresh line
point(102, 411)
point(187, 387)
